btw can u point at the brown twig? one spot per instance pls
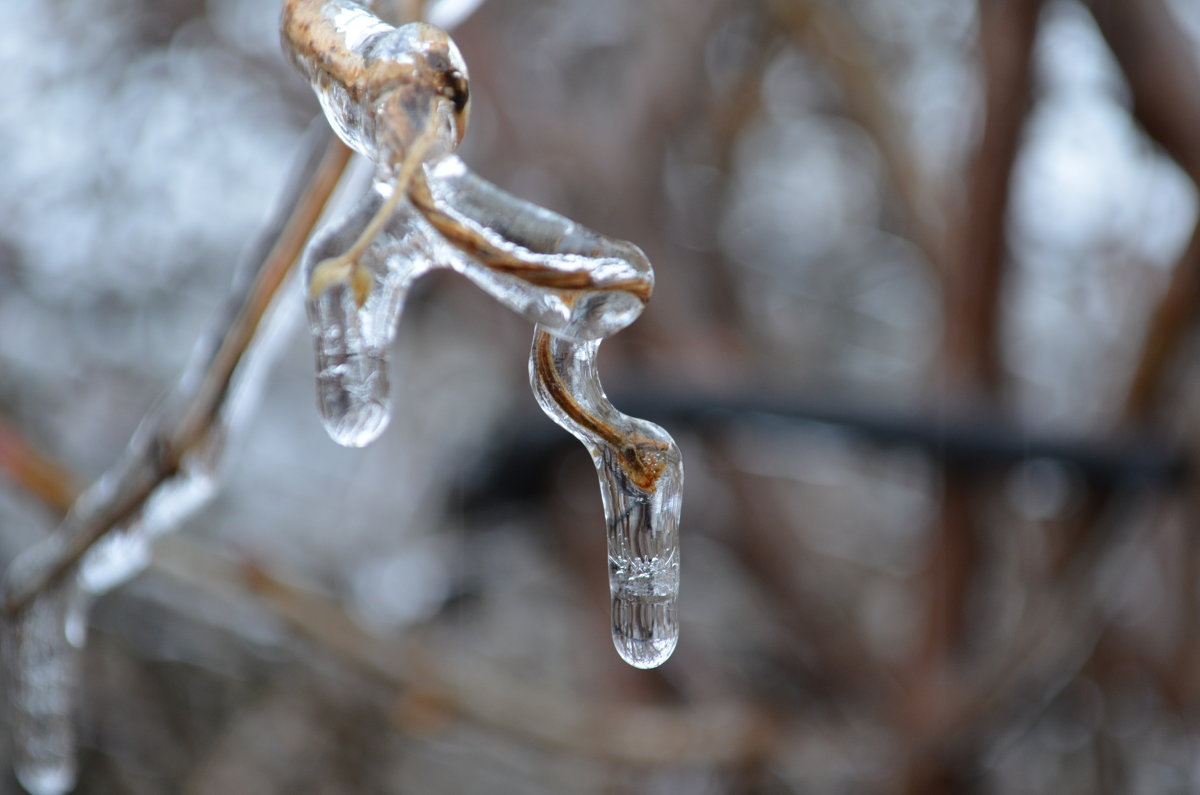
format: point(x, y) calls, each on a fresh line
point(829, 34)
point(976, 280)
point(1172, 318)
point(1159, 62)
point(35, 473)
point(972, 289)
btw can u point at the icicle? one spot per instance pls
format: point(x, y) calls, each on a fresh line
point(43, 642)
point(43, 681)
point(399, 96)
point(352, 340)
point(641, 482)
point(373, 82)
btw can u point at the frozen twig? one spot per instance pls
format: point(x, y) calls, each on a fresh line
point(166, 471)
point(400, 96)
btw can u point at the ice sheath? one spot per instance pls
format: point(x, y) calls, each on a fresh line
point(385, 89)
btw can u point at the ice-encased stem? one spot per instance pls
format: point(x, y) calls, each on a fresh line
point(641, 482)
point(388, 92)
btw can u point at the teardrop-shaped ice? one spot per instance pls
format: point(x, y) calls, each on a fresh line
point(352, 341)
point(43, 676)
point(643, 561)
point(641, 483)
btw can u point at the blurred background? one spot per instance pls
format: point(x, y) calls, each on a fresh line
point(927, 276)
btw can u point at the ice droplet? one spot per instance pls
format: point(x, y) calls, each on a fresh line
point(352, 341)
point(43, 676)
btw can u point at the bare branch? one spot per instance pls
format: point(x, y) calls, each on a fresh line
point(975, 278)
point(829, 34)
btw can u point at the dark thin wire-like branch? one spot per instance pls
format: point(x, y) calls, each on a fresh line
point(523, 462)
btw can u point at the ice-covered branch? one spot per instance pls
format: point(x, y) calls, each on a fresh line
point(400, 96)
point(166, 472)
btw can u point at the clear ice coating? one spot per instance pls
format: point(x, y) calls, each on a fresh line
point(400, 97)
point(641, 482)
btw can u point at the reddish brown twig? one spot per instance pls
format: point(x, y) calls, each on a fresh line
point(35, 473)
point(976, 276)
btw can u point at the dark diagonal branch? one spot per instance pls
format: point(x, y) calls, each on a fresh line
point(1160, 64)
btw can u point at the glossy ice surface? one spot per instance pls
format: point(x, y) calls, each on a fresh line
point(398, 96)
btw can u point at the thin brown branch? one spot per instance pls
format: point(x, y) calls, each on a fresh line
point(953, 560)
point(275, 268)
point(1159, 61)
point(972, 290)
point(163, 451)
point(830, 35)
point(1179, 675)
point(35, 473)
point(975, 281)
point(1174, 315)
point(1160, 65)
